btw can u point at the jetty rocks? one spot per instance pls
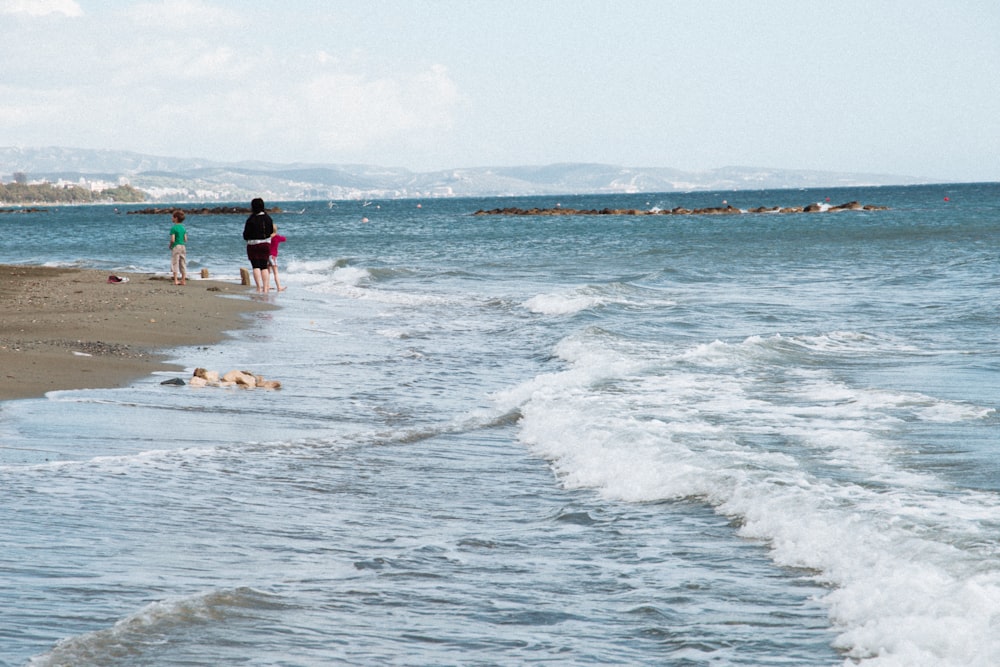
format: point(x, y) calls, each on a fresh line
point(30, 209)
point(214, 210)
point(716, 210)
point(243, 379)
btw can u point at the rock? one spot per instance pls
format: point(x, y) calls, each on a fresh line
point(205, 210)
point(727, 209)
point(208, 376)
point(174, 381)
point(198, 382)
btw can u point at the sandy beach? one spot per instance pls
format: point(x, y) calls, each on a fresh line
point(72, 329)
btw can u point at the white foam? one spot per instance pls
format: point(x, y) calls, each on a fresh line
point(814, 472)
point(352, 284)
point(562, 304)
point(311, 266)
point(573, 301)
point(351, 275)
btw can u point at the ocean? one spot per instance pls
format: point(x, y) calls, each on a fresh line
point(760, 439)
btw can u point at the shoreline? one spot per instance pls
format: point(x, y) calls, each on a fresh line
point(67, 328)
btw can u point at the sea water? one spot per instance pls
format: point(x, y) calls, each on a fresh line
point(760, 439)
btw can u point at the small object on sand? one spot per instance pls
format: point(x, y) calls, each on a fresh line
point(210, 376)
point(113, 279)
point(234, 378)
point(175, 381)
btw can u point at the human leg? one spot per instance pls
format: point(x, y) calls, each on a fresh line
point(273, 265)
point(183, 264)
point(175, 261)
point(258, 255)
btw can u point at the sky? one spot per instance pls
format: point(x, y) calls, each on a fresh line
point(902, 87)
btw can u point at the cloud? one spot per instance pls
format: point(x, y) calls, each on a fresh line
point(316, 116)
point(41, 7)
point(189, 77)
point(349, 111)
point(203, 88)
point(167, 65)
point(182, 14)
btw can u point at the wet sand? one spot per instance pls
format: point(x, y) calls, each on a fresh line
point(71, 329)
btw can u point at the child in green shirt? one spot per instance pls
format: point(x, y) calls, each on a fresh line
point(178, 249)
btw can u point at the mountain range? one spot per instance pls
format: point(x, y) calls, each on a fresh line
point(173, 179)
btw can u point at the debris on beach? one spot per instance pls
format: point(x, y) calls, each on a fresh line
point(242, 379)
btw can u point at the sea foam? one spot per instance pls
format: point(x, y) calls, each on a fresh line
point(806, 475)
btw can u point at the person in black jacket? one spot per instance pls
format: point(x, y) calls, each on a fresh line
point(257, 233)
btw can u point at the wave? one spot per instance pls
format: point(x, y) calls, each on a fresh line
point(69, 464)
point(573, 301)
point(337, 277)
point(152, 626)
point(562, 304)
point(799, 459)
point(360, 293)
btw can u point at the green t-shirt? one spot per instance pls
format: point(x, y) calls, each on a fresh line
point(177, 233)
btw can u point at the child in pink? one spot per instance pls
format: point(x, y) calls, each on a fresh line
point(273, 261)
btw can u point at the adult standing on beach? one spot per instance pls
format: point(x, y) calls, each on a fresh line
point(178, 249)
point(257, 233)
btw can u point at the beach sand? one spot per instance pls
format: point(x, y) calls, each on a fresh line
point(71, 329)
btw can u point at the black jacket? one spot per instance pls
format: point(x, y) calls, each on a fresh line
point(258, 227)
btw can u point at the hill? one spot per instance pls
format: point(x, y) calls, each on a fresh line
point(170, 179)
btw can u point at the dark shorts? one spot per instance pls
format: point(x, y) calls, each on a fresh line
point(258, 254)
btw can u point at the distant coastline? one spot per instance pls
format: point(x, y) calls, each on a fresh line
point(194, 180)
point(20, 192)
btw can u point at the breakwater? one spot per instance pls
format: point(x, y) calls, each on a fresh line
point(715, 210)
